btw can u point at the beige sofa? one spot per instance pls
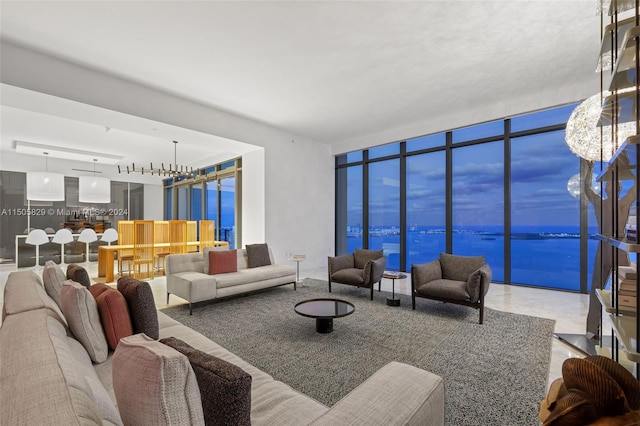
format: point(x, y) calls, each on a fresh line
point(46, 376)
point(187, 278)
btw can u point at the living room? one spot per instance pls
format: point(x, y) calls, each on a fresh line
point(287, 88)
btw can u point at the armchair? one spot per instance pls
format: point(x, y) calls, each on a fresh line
point(362, 268)
point(463, 280)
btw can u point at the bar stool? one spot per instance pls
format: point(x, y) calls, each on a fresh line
point(88, 236)
point(62, 237)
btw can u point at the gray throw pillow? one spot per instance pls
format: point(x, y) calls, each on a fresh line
point(459, 268)
point(53, 277)
point(81, 312)
point(142, 306)
point(78, 274)
point(225, 388)
point(361, 257)
point(257, 255)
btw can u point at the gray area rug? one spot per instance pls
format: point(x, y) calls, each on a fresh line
point(495, 373)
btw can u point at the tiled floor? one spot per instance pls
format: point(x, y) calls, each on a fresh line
point(568, 309)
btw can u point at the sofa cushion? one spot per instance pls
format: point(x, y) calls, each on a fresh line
point(23, 291)
point(78, 274)
point(155, 384)
point(361, 257)
point(81, 312)
point(100, 395)
point(448, 289)
point(222, 262)
point(252, 275)
point(257, 255)
point(39, 377)
point(459, 268)
point(53, 277)
point(114, 313)
point(206, 252)
point(225, 389)
point(142, 307)
point(348, 276)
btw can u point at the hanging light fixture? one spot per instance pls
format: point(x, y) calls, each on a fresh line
point(45, 186)
point(173, 170)
point(93, 189)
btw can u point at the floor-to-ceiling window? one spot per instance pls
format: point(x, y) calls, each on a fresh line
point(478, 203)
point(212, 195)
point(384, 210)
point(545, 216)
point(426, 201)
point(499, 189)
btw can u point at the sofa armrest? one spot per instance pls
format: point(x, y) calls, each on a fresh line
point(478, 283)
point(376, 270)
point(397, 394)
point(425, 272)
point(340, 262)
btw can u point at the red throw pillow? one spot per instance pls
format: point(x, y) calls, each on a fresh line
point(114, 313)
point(221, 262)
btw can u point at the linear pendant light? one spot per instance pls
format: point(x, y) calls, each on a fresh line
point(45, 186)
point(93, 189)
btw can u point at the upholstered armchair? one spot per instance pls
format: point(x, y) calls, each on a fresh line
point(362, 268)
point(463, 280)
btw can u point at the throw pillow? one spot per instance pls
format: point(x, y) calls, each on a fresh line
point(114, 314)
point(206, 252)
point(142, 307)
point(361, 257)
point(53, 278)
point(81, 311)
point(459, 268)
point(78, 274)
point(257, 255)
point(222, 262)
point(154, 384)
point(225, 389)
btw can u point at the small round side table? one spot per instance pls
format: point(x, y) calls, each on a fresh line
point(393, 276)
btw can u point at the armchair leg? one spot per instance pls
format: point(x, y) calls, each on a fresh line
point(190, 310)
point(379, 284)
point(413, 302)
point(371, 291)
point(168, 297)
point(329, 284)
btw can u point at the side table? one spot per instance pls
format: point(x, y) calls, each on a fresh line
point(298, 258)
point(393, 276)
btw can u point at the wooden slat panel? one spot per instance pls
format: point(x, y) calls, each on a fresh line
point(143, 249)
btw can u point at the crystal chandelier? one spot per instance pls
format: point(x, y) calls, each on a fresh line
point(586, 139)
point(173, 170)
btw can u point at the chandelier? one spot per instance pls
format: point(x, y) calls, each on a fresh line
point(173, 170)
point(584, 136)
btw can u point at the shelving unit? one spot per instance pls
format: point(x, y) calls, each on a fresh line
point(619, 64)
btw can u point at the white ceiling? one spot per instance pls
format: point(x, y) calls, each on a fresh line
point(329, 71)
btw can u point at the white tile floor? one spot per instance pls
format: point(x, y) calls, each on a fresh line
point(569, 310)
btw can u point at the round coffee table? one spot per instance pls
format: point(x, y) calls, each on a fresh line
point(324, 311)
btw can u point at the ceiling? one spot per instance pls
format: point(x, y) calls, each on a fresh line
point(329, 71)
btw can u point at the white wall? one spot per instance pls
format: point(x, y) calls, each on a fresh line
point(298, 172)
point(253, 198)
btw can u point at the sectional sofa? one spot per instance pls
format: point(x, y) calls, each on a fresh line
point(47, 377)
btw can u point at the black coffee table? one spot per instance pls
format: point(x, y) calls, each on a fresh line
point(324, 311)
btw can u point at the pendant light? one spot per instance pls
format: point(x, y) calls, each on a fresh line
point(93, 189)
point(45, 186)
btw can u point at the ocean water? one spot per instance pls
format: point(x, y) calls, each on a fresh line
point(540, 256)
